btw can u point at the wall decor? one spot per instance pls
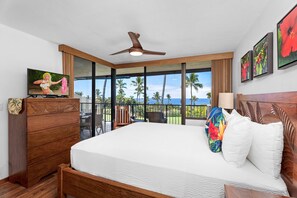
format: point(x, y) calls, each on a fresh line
point(247, 66)
point(263, 56)
point(287, 40)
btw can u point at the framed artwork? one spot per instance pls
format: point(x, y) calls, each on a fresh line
point(247, 66)
point(263, 56)
point(287, 40)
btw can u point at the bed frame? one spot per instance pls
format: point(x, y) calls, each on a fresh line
point(261, 108)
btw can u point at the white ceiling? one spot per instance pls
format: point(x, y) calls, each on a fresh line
point(98, 27)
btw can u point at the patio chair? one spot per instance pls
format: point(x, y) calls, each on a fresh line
point(122, 115)
point(99, 125)
point(86, 122)
point(157, 117)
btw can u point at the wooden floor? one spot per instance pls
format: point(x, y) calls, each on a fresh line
point(47, 188)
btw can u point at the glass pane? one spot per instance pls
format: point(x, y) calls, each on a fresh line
point(129, 95)
point(83, 91)
point(198, 83)
point(103, 99)
point(164, 91)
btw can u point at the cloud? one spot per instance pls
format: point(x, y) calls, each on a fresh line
point(176, 92)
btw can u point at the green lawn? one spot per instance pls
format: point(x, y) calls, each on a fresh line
point(174, 120)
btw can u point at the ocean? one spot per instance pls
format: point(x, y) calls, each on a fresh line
point(177, 101)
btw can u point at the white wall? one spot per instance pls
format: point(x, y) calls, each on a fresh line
point(18, 51)
point(280, 80)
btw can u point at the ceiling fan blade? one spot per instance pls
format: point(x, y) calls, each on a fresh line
point(153, 52)
point(134, 38)
point(120, 52)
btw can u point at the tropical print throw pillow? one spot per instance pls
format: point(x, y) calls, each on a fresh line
point(215, 127)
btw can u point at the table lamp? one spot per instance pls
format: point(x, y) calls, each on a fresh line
point(226, 100)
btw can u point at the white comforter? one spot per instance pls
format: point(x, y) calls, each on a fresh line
point(170, 159)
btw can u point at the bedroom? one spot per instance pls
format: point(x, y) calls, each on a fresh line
point(31, 33)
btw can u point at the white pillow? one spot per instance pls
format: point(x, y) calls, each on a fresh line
point(267, 147)
point(226, 115)
point(237, 139)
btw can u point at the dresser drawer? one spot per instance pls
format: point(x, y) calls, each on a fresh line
point(36, 154)
point(36, 123)
point(52, 106)
point(37, 138)
point(45, 167)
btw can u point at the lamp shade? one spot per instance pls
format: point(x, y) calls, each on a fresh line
point(226, 100)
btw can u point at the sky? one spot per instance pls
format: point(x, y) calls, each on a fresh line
point(154, 83)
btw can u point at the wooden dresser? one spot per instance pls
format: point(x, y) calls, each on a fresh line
point(40, 138)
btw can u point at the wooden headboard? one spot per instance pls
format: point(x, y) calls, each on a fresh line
point(275, 107)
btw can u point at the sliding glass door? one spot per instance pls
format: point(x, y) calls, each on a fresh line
point(178, 92)
point(92, 85)
point(130, 83)
point(103, 99)
point(83, 91)
point(164, 91)
point(198, 89)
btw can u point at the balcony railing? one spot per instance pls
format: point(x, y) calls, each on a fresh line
point(171, 112)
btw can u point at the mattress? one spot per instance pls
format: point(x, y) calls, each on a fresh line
point(170, 159)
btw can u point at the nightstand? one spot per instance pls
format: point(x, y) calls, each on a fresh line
point(236, 192)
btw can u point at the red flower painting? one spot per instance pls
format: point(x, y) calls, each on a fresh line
point(246, 67)
point(288, 30)
point(244, 70)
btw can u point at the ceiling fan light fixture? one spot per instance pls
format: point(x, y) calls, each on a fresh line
point(135, 52)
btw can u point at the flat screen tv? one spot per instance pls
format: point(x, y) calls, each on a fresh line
point(47, 83)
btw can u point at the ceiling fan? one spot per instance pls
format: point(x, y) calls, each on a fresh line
point(136, 49)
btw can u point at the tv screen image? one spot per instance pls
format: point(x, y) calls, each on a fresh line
point(47, 83)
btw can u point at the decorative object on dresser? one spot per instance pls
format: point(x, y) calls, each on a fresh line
point(40, 138)
point(247, 66)
point(263, 56)
point(236, 192)
point(287, 40)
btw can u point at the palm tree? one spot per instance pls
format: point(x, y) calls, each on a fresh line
point(168, 96)
point(104, 103)
point(193, 82)
point(104, 88)
point(98, 93)
point(163, 90)
point(147, 99)
point(194, 99)
point(156, 97)
point(121, 85)
point(209, 96)
point(138, 83)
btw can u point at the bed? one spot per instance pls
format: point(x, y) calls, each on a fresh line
point(157, 160)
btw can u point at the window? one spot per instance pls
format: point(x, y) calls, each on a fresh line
point(198, 89)
point(164, 91)
point(130, 91)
